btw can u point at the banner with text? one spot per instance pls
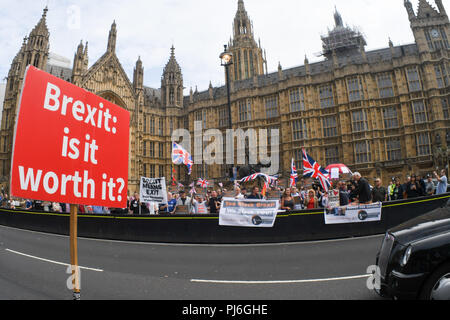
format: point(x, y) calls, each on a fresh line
point(354, 214)
point(153, 190)
point(248, 213)
point(70, 145)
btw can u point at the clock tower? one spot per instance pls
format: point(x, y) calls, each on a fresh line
point(430, 26)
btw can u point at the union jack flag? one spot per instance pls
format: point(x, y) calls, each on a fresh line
point(311, 169)
point(294, 175)
point(181, 156)
point(203, 183)
point(268, 179)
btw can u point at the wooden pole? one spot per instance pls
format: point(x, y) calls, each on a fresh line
point(74, 251)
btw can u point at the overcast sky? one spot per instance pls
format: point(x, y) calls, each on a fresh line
point(288, 29)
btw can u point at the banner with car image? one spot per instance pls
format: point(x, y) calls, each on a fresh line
point(354, 214)
point(248, 213)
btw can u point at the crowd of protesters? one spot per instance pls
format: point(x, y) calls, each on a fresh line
point(354, 191)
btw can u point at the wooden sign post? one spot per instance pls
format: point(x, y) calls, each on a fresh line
point(74, 252)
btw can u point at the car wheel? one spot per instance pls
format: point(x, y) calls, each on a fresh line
point(437, 287)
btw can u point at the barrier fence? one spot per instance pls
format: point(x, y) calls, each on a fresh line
point(289, 227)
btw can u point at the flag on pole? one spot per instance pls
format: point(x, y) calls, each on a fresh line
point(203, 183)
point(181, 156)
point(311, 169)
point(294, 175)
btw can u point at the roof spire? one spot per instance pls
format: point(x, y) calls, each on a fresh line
point(338, 18)
point(241, 6)
point(112, 38)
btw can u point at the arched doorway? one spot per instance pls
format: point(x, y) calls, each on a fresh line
point(113, 98)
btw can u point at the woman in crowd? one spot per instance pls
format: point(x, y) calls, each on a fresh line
point(413, 188)
point(311, 201)
point(287, 201)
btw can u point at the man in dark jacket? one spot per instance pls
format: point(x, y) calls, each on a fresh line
point(379, 193)
point(362, 189)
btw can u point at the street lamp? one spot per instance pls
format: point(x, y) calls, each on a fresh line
point(226, 61)
point(226, 58)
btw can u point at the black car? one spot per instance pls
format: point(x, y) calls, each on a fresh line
point(414, 260)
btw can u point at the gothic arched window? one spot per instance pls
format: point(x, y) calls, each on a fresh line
point(171, 96)
point(36, 60)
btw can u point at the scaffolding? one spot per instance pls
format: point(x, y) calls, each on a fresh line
point(342, 39)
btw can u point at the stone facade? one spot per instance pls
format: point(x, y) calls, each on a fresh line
point(384, 113)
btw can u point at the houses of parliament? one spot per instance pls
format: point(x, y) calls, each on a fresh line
point(383, 113)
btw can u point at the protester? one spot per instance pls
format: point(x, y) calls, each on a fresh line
point(397, 193)
point(214, 203)
point(28, 204)
point(97, 209)
point(199, 205)
point(184, 200)
point(413, 189)
point(152, 208)
point(287, 201)
point(422, 186)
point(81, 209)
point(144, 208)
point(362, 189)
point(256, 195)
point(56, 207)
point(352, 187)
point(311, 201)
point(442, 182)
point(171, 205)
point(323, 200)
point(344, 199)
point(47, 206)
point(429, 186)
point(134, 204)
point(379, 193)
point(238, 194)
point(402, 188)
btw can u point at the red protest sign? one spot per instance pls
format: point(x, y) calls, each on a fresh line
point(70, 145)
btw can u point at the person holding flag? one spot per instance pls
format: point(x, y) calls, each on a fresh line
point(311, 169)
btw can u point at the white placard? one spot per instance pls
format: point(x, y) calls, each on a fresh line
point(354, 214)
point(248, 213)
point(153, 190)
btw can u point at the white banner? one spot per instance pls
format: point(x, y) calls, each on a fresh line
point(248, 213)
point(354, 214)
point(153, 190)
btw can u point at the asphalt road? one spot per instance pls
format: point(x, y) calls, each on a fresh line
point(33, 266)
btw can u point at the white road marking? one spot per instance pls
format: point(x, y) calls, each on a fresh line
point(50, 261)
point(281, 282)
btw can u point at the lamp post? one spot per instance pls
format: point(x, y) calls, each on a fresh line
point(226, 59)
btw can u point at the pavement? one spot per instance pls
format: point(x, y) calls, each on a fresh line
point(33, 266)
